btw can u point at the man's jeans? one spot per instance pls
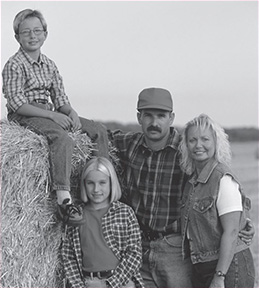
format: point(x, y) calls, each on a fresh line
point(163, 264)
point(61, 145)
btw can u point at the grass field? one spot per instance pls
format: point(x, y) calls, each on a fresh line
point(245, 164)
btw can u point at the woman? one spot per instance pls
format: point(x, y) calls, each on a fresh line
point(213, 209)
point(106, 250)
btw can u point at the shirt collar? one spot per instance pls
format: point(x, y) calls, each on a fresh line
point(206, 172)
point(25, 55)
point(173, 140)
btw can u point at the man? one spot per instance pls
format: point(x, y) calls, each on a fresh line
point(152, 181)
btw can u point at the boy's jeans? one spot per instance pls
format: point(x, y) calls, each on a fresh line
point(61, 145)
point(163, 264)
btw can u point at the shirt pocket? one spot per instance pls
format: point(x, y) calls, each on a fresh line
point(203, 205)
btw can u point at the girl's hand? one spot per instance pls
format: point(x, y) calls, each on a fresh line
point(217, 282)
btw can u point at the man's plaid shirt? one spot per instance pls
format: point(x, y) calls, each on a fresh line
point(121, 232)
point(152, 180)
point(25, 80)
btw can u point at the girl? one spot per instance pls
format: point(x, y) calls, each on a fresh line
point(106, 250)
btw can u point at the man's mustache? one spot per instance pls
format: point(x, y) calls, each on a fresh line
point(154, 128)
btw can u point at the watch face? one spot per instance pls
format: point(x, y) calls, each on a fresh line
point(220, 274)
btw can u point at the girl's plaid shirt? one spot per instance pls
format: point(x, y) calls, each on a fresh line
point(121, 231)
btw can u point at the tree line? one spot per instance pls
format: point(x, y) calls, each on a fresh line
point(235, 134)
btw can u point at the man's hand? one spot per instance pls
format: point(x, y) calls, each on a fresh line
point(248, 232)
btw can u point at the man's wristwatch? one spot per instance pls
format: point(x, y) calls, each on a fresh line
point(220, 274)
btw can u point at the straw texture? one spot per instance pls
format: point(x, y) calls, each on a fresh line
point(30, 231)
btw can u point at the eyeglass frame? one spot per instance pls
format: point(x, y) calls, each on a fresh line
point(27, 32)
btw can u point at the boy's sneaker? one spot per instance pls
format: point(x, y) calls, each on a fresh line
point(71, 214)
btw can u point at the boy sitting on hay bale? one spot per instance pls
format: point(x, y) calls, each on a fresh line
point(30, 80)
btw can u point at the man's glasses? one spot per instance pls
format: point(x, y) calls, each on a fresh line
point(27, 32)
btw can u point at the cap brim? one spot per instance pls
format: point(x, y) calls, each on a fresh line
point(155, 107)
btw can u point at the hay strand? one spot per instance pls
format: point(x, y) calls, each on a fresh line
point(30, 231)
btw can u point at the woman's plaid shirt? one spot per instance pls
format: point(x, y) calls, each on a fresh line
point(121, 231)
point(25, 80)
point(151, 180)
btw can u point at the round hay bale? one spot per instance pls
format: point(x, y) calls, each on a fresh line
point(30, 231)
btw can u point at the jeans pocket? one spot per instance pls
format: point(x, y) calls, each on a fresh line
point(174, 240)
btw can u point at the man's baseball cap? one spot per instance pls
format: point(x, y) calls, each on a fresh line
point(155, 98)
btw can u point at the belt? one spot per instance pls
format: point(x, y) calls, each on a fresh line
point(41, 101)
point(151, 235)
point(100, 274)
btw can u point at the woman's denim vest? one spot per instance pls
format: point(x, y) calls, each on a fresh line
point(200, 214)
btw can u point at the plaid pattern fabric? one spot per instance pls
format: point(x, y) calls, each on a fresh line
point(121, 231)
point(152, 180)
point(25, 80)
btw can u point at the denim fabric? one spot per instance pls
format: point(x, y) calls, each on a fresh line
point(200, 214)
point(163, 265)
point(100, 283)
point(241, 272)
point(61, 145)
point(98, 133)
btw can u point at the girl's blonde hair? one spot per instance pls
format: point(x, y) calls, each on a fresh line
point(105, 166)
point(222, 145)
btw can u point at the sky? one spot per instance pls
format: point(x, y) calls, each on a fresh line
point(204, 52)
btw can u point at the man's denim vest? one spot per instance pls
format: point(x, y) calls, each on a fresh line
point(200, 214)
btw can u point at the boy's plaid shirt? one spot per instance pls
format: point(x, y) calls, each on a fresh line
point(152, 180)
point(125, 244)
point(25, 80)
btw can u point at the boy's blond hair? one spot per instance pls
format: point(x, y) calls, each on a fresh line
point(28, 13)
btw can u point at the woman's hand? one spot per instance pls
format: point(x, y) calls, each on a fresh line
point(217, 282)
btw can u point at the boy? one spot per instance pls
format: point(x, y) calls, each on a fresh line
point(30, 80)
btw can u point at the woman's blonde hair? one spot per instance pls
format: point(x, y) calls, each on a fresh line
point(222, 145)
point(103, 165)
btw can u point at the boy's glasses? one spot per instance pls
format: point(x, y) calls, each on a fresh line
point(27, 32)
